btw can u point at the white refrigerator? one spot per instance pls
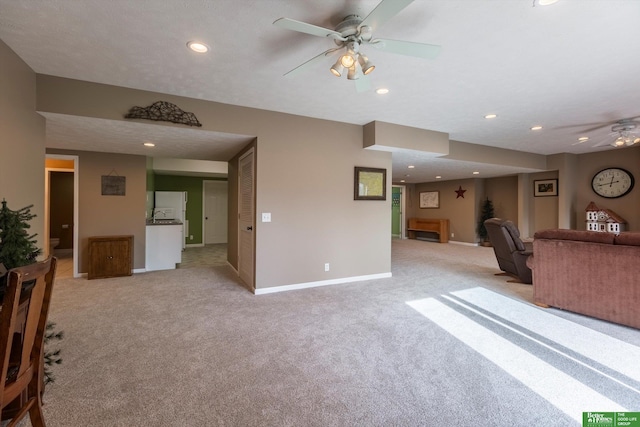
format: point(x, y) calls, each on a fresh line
point(175, 203)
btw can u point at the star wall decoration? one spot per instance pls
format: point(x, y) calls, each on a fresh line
point(460, 192)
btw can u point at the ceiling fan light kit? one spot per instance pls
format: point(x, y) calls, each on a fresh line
point(625, 139)
point(351, 33)
point(365, 64)
point(337, 69)
point(626, 130)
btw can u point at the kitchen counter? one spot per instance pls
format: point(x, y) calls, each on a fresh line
point(164, 222)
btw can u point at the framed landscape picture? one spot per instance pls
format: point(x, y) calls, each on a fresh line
point(429, 200)
point(369, 184)
point(545, 187)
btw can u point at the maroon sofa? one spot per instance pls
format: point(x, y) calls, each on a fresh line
point(588, 272)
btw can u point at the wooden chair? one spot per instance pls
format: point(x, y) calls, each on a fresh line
point(23, 322)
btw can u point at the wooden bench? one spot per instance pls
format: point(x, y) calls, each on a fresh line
point(439, 226)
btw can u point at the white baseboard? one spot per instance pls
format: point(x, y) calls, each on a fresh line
point(455, 242)
point(270, 290)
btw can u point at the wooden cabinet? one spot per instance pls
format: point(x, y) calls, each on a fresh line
point(110, 256)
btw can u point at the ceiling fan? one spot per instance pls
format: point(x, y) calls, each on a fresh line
point(625, 132)
point(351, 34)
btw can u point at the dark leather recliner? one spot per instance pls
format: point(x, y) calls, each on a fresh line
point(511, 252)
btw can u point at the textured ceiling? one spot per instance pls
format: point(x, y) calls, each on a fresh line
point(113, 136)
point(568, 67)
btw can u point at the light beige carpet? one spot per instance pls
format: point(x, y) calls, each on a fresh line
point(191, 347)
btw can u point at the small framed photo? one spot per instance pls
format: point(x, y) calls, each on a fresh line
point(370, 184)
point(429, 200)
point(545, 187)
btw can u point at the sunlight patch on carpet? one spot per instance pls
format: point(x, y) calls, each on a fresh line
point(560, 389)
point(614, 353)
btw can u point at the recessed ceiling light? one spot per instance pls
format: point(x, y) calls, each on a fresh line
point(536, 128)
point(546, 2)
point(148, 144)
point(198, 47)
point(411, 166)
point(476, 173)
point(583, 138)
point(490, 116)
point(382, 91)
point(438, 177)
point(402, 180)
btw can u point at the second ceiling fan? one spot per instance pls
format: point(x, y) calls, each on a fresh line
point(351, 34)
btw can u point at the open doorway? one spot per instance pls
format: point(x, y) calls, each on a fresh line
point(212, 251)
point(61, 212)
point(397, 211)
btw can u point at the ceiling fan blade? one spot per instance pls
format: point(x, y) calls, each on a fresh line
point(607, 141)
point(303, 27)
point(606, 125)
point(310, 63)
point(599, 125)
point(384, 11)
point(419, 50)
point(363, 84)
point(584, 124)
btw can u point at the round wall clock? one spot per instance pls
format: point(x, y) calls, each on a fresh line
point(612, 182)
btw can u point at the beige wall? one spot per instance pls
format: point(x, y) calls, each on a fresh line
point(503, 193)
point(460, 211)
point(304, 179)
point(464, 213)
point(628, 207)
point(574, 174)
point(100, 215)
point(21, 140)
point(543, 210)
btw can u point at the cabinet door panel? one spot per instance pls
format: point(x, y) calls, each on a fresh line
point(110, 256)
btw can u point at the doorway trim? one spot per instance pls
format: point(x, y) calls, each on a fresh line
point(204, 208)
point(403, 209)
point(247, 247)
point(76, 225)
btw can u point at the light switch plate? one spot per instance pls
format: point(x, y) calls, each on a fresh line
point(266, 216)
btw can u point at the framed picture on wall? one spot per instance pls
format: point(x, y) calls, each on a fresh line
point(429, 199)
point(545, 187)
point(113, 185)
point(370, 184)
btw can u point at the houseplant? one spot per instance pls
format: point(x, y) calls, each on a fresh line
point(486, 213)
point(18, 248)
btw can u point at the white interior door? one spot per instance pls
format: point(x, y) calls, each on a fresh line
point(246, 208)
point(215, 211)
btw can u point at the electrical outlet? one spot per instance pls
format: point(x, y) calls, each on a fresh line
point(191, 237)
point(326, 267)
point(266, 216)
